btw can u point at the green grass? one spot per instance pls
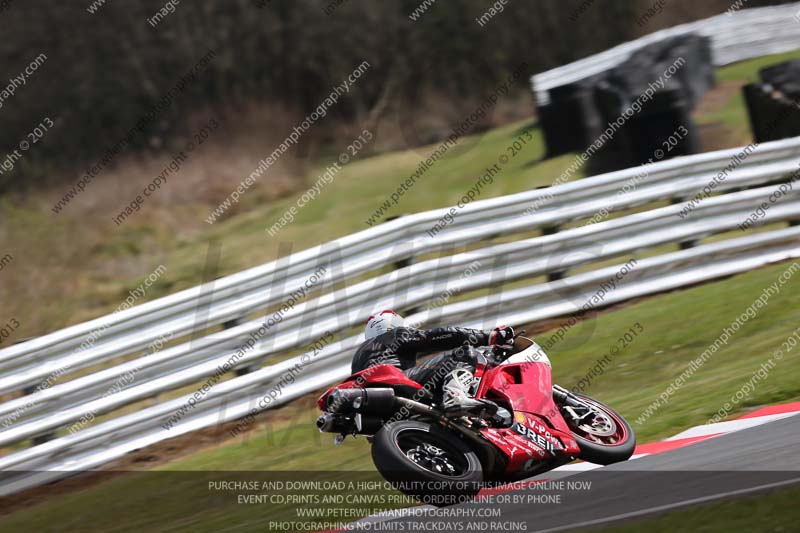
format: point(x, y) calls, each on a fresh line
point(362, 186)
point(677, 326)
point(747, 71)
point(775, 511)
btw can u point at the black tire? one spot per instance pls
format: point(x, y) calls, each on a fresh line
point(605, 454)
point(392, 446)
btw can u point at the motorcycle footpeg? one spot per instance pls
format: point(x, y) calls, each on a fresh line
point(484, 409)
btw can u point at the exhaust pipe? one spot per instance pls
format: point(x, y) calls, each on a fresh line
point(365, 409)
point(371, 401)
point(332, 423)
point(325, 423)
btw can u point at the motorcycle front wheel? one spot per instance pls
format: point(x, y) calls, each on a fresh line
point(604, 437)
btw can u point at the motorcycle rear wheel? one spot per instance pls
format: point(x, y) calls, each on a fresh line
point(427, 462)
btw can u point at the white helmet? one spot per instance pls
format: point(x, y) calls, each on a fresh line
point(382, 322)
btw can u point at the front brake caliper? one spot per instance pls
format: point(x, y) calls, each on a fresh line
point(577, 417)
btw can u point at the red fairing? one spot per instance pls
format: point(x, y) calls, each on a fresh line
point(525, 387)
point(539, 432)
point(384, 375)
point(529, 442)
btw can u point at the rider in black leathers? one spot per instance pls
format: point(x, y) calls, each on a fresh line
point(448, 375)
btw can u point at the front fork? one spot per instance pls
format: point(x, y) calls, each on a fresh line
point(576, 408)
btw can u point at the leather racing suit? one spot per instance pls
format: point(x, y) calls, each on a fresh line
point(401, 347)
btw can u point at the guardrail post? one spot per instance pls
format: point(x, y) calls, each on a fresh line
point(241, 371)
point(402, 263)
point(45, 437)
point(691, 243)
point(556, 274)
point(27, 391)
point(41, 439)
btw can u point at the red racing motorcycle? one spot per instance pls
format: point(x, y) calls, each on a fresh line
point(440, 459)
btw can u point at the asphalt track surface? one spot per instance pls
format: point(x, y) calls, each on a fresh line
point(744, 462)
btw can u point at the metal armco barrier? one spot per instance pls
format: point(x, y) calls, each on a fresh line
point(427, 284)
point(745, 34)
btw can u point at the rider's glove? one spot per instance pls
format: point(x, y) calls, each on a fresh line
point(502, 335)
